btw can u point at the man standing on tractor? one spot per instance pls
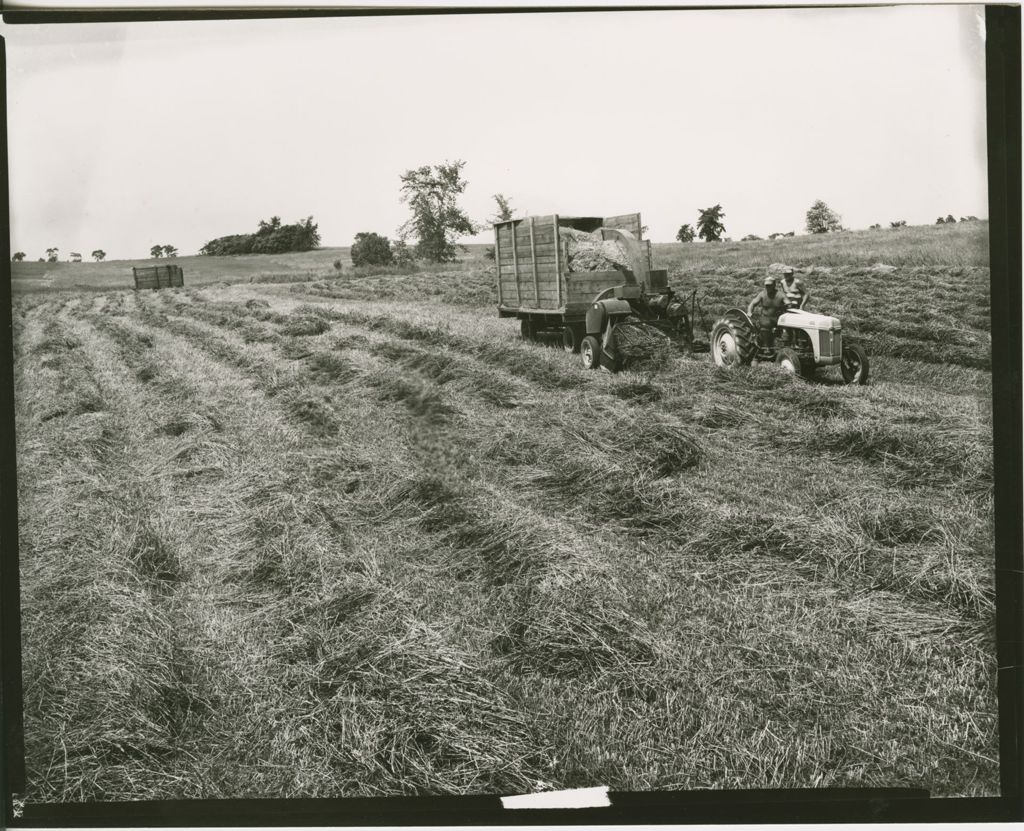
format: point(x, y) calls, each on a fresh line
point(794, 290)
point(773, 304)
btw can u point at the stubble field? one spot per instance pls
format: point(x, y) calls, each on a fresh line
point(353, 537)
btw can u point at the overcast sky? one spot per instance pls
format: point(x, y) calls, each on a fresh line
point(122, 136)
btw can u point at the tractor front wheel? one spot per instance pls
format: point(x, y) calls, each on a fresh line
point(571, 337)
point(590, 352)
point(854, 364)
point(789, 360)
point(733, 341)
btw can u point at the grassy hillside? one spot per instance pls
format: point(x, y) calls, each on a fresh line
point(354, 537)
point(953, 246)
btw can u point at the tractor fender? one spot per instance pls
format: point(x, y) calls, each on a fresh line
point(599, 313)
point(741, 314)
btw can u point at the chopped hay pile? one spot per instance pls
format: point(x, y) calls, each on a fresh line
point(588, 252)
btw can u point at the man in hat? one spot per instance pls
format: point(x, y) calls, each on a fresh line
point(793, 289)
point(772, 303)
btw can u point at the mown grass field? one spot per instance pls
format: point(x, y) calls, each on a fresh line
point(353, 537)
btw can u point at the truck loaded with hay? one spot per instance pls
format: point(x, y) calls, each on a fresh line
point(590, 279)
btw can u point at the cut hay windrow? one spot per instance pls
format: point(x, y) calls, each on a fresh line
point(267, 376)
point(570, 578)
point(94, 545)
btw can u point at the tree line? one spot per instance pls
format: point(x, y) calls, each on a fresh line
point(436, 222)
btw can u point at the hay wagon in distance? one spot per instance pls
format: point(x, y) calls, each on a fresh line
point(536, 283)
point(158, 277)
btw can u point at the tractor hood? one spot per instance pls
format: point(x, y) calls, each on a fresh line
point(799, 319)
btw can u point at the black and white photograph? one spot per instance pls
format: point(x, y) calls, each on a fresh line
point(490, 404)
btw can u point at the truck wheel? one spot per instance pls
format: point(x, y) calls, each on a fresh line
point(571, 337)
point(854, 365)
point(733, 341)
point(590, 352)
point(789, 360)
point(526, 330)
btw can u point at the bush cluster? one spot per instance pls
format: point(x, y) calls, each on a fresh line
point(271, 238)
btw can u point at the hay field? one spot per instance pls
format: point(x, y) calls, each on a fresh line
point(353, 537)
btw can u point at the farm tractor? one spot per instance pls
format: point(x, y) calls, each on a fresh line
point(803, 341)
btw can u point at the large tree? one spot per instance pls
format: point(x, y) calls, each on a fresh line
point(156, 251)
point(170, 251)
point(98, 254)
point(51, 255)
point(709, 223)
point(437, 220)
point(18, 256)
point(821, 219)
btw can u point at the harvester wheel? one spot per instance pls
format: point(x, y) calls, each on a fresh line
point(789, 360)
point(590, 352)
point(571, 337)
point(733, 340)
point(854, 364)
point(526, 329)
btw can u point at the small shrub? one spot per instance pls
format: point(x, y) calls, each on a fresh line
point(402, 253)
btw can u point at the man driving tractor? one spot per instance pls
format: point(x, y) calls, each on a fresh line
point(794, 289)
point(773, 304)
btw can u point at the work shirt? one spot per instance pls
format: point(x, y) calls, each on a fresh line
point(794, 291)
point(769, 308)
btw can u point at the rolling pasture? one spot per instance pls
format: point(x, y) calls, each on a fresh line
point(352, 536)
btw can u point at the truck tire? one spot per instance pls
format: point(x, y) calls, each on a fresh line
point(733, 340)
point(590, 352)
point(789, 359)
point(572, 336)
point(854, 365)
point(526, 329)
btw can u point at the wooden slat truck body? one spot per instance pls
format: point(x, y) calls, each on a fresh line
point(534, 280)
point(158, 277)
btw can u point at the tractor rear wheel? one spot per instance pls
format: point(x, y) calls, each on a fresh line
point(590, 352)
point(733, 340)
point(789, 360)
point(571, 337)
point(854, 365)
